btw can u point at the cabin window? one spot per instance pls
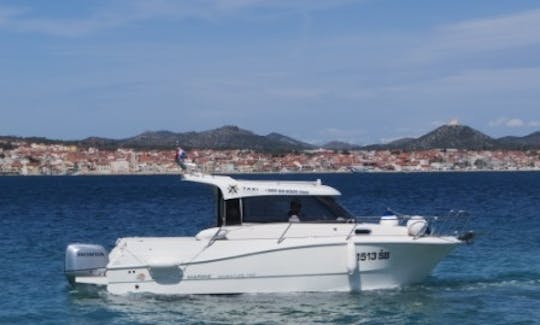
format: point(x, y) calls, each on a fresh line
point(232, 212)
point(277, 209)
point(227, 211)
point(220, 208)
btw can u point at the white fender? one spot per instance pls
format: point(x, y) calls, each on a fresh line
point(417, 226)
point(163, 263)
point(352, 263)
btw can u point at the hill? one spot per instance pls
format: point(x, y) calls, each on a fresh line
point(233, 137)
point(227, 137)
point(452, 136)
point(460, 137)
point(340, 145)
point(531, 141)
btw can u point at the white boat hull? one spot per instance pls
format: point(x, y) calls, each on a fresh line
point(261, 247)
point(267, 266)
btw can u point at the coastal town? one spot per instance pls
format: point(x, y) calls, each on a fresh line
point(24, 158)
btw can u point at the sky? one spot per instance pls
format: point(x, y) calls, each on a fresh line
point(365, 71)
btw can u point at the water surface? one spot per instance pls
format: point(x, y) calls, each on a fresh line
point(494, 281)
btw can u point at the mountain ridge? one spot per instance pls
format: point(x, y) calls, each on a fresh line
point(234, 137)
point(448, 136)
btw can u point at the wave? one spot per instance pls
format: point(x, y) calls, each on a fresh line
point(506, 279)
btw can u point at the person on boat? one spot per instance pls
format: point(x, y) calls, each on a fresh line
point(180, 157)
point(294, 212)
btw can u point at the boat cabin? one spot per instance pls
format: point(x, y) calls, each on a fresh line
point(249, 201)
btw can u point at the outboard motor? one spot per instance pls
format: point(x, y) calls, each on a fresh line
point(85, 260)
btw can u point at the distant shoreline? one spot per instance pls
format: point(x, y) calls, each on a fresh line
point(283, 173)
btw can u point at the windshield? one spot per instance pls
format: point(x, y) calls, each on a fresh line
point(281, 208)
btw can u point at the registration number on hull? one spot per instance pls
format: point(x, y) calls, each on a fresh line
point(373, 256)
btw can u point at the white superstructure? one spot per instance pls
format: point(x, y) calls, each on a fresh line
point(271, 236)
point(233, 189)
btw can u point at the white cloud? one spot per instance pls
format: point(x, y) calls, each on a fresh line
point(300, 93)
point(28, 20)
point(392, 139)
point(303, 5)
point(479, 82)
point(512, 122)
point(353, 136)
point(122, 12)
point(482, 35)
point(388, 140)
point(495, 33)
point(515, 123)
point(8, 13)
point(498, 122)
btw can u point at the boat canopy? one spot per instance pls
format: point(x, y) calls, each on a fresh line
point(234, 188)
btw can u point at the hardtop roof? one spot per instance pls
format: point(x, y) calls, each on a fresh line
point(236, 188)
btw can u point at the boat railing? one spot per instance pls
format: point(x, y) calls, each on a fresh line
point(282, 237)
point(453, 222)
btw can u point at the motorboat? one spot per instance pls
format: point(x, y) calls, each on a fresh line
point(270, 236)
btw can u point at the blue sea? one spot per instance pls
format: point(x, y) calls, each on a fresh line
point(496, 280)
